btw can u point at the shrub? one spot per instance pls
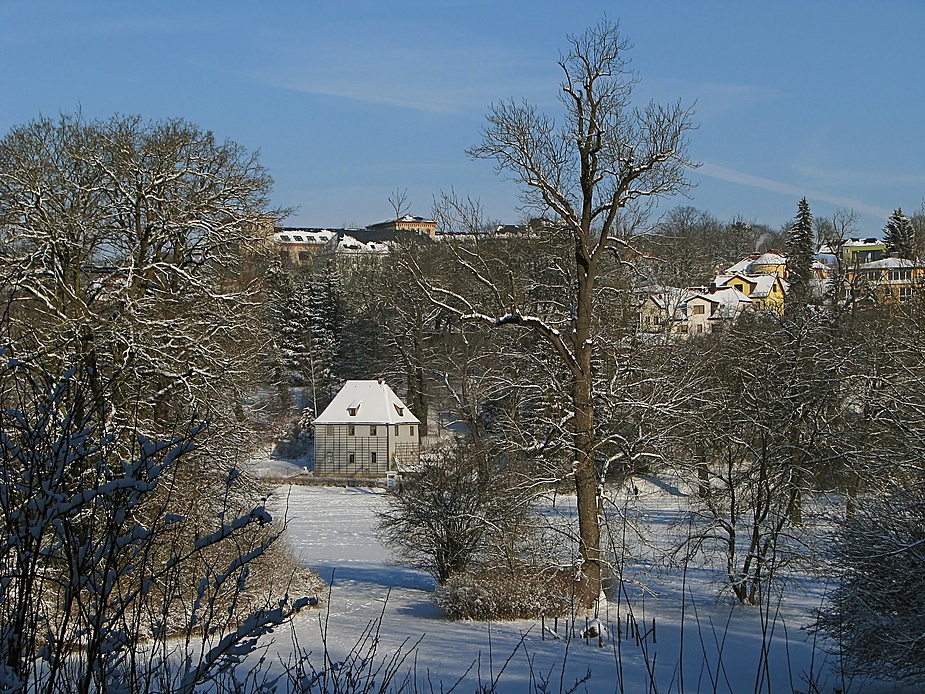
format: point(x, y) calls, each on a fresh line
point(496, 594)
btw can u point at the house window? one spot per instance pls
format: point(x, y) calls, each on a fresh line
point(372, 430)
point(351, 430)
point(329, 430)
point(372, 459)
point(697, 310)
point(398, 429)
point(352, 459)
point(412, 430)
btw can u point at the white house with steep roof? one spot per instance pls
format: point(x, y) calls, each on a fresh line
point(366, 431)
point(709, 312)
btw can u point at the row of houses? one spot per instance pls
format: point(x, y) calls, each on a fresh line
point(755, 283)
point(864, 272)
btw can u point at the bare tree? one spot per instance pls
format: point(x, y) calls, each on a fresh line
point(768, 432)
point(587, 175)
point(398, 199)
point(833, 233)
point(462, 509)
point(140, 247)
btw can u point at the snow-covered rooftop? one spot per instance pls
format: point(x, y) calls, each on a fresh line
point(888, 264)
point(728, 301)
point(366, 402)
point(299, 236)
point(761, 284)
point(349, 244)
point(747, 264)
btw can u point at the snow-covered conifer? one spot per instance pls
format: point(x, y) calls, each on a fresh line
point(800, 253)
point(899, 235)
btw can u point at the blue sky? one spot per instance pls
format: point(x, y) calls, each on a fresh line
point(348, 101)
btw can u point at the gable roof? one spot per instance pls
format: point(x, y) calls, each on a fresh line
point(372, 402)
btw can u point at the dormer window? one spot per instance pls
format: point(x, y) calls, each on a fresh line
point(354, 407)
point(400, 410)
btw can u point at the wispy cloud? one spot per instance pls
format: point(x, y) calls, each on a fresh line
point(423, 78)
point(371, 92)
point(724, 173)
point(855, 178)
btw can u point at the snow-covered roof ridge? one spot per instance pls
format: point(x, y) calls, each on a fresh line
point(749, 262)
point(366, 402)
point(770, 258)
point(350, 244)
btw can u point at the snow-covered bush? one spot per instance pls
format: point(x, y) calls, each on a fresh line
point(108, 579)
point(499, 594)
point(876, 614)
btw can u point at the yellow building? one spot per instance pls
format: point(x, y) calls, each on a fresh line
point(298, 246)
point(885, 281)
point(767, 291)
point(856, 252)
point(406, 223)
point(664, 312)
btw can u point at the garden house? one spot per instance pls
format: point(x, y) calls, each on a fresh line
point(366, 431)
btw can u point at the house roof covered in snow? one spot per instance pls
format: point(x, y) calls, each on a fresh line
point(888, 264)
point(299, 235)
point(350, 244)
point(749, 263)
point(366, 402)
point(761, 284)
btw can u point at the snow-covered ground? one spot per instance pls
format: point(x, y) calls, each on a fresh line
point(333, 531)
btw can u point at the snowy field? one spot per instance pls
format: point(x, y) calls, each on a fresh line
point(333, 531)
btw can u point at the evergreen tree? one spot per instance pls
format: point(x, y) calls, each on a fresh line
point(800, 254)
point(324, 319)
point(900, 235)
